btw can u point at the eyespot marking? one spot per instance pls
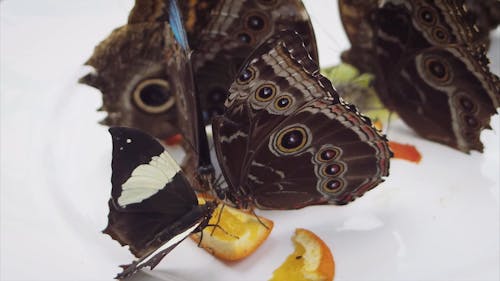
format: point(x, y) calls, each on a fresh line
point(333, 186)
point(153, 96)
point(247, 75)
point(283, 103)
point(265, 92)
point(291, 140)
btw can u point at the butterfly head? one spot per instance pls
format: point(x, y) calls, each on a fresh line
point(232, 197)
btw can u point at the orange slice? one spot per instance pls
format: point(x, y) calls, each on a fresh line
point(311, 260)
point(405, 151)
point(237, 234)
point(173, 140)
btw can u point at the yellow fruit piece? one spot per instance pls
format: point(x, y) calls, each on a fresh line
point(237, 235)
point(311, 260)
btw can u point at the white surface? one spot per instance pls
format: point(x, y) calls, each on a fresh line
point(438, 220)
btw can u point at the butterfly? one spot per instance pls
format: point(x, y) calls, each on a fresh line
point(286, 139)
point(134, 66)
point(429, 66)
point(152, 207)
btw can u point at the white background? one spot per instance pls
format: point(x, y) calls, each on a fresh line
point(438, 220)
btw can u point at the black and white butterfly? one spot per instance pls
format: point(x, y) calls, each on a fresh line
point(152, 207)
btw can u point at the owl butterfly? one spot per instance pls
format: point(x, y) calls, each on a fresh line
point(428, 66)
point(287, 140)
point(134, 67)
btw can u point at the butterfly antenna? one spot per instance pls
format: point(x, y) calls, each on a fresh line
point(210, 250)
point(216, 225)
point(258, 219)
point(201, 238)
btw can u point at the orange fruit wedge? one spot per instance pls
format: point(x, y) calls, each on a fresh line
point(237, 235)
point(173, 140)
point(312, 260)
point(405, 151)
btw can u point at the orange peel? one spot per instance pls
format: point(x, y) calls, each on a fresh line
point(173, 140)
point(237, 235)
point(311, 260)
point(405, 151)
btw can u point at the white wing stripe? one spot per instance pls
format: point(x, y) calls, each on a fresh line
point(147, 179)
point(176, 239)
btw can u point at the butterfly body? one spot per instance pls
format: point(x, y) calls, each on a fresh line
point(429, 67)
point(287, 140)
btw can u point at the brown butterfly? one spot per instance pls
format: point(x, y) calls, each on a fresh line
point(429, 66)
point(287, 140)
point(134, 69)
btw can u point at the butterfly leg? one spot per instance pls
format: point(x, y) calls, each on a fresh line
point(218, 218)
point(201, 239)
point(258, 219)
point(218, 226)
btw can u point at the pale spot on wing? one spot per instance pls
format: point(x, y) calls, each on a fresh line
point(147, 179)
point(233, 137)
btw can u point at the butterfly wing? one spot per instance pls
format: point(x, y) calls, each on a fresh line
point(148, 190)
point(442, 94)
point(136, 69)
point(287, 140)
point(231, 34)
point(355, 15)
point(430, 70)
point(152, 206)
point(139, 69)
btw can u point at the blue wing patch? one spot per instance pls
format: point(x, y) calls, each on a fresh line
point(177, 25)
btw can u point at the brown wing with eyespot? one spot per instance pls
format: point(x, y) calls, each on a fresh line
point(430, 68)
point(135, 70)
point(345, 157)
point(281, 116)
point(141, 71)
point(440, 84)
point(232, 33)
